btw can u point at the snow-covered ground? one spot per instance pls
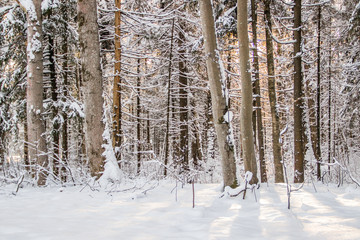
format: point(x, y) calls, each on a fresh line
point(81, 213)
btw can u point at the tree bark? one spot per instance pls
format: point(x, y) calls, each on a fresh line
point(34, 92)
point(92, 84)
point(247, 138)
point(55, 111)
point(167, 133)
point(318, 95)
point(65, 76)
point(138, 112)
point(117, 130)
point(329, 99)
point(298, 98)
point(218, 95)
point(256, 89)
point(279, 175)
point(183, 108)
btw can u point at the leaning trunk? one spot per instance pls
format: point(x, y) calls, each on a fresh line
point(219, 99)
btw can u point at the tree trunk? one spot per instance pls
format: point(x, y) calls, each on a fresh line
point(2, 150)
point(196, 143)
point(167, 131)
point(138, 112)
point(65, 76)
point(218, 95)
point(148, 140)
point(117, 131)
point(279, 175)
point(246, 92)
point(35, 90)
point(256, 87)
point(183, 108)
point(318, 112)
point(26, 145)
point(54, 97)
point(329, 100)
point(298, 98)
point(92, 84)
point(65, 145)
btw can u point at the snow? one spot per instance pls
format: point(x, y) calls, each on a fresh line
point(228, 116)
point(81, 213)
point(30, 8)
point(248, 176)
point(112, 172)
point(76, 108)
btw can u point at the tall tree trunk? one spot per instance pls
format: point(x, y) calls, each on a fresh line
point(2, 150)
point(138, 112)
point(218, 95)
point(279, 175)
point(26, 145)
point(246, 92)
point(148, 129)
point(54, 97)
point(35, 90)
point(65, 145)
point(318, 113)
point(196, 146)
point(117, 131)
point(298, 98)
point(65, 76)
point(256, 87)
point(92, 84)
point(183, 108)
point(167, 133)
point(329, 100)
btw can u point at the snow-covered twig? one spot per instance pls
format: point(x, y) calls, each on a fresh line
point(237, 191)
point(345, 169)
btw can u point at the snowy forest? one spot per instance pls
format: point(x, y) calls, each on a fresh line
point(128, 95)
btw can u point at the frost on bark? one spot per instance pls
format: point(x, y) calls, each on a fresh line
point(279, 175)
point(34, 93)
point(298, 101)
point(247, 137)
point(218, 96)
point(92, 83)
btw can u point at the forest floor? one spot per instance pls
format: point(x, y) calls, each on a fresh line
point(166, 212)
